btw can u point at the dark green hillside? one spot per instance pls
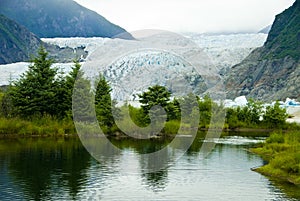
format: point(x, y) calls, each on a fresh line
point(284, 37)
point(59, 18)
point(18, 44)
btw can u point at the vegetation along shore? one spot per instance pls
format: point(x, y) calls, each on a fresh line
point(282, 152)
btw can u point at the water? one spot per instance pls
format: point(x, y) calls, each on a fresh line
point(61, 169)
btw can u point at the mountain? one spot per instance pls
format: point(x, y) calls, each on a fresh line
point(59, 18)
point(19, 44)
point(16, 42)
point(272, 71)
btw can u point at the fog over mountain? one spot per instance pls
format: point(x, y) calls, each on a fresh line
point(201, 16)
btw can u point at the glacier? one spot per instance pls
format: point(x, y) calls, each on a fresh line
point(149, 68)
point(224, 51)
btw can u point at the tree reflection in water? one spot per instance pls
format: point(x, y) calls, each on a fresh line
point(38, 165)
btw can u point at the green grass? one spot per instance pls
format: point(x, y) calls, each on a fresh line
point(52, 126)
point(282, 151)
point(44, 126)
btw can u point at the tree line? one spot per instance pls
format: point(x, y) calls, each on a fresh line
point(45, 91)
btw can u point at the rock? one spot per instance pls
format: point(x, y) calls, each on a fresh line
point(18, 44)
point(271, 72)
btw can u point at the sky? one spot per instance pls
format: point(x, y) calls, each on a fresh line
point(190, 15)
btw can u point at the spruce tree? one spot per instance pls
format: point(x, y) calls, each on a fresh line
point(69, 86)
point(82, 98)
point(34, 93)
point(62, 97)
point(155, 96)
point(105, 106)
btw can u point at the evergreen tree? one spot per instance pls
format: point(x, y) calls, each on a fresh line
point(62, 97)
point(105, 106)
point(71, 78)
point(68, 84)
point(174, 111)
point(7, 108)
point(205, 110)
point(2, 108)
point(34, 93)
point(82, 98)
point(188, 103)
point(155, 96)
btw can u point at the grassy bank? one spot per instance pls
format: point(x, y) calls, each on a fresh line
point(51, 126)
point(282, 151)
point(45, 126)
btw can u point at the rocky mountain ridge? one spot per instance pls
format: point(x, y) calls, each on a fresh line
point(18, 44)
point(272, 71)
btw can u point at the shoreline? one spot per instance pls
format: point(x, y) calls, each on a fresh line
point(282, 178)
point(281, 152)
point(121, 135)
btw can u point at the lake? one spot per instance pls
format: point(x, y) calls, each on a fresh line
point(61, 169)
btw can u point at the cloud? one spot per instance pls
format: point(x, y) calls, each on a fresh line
point(190, 15)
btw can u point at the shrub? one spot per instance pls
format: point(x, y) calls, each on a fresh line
point(288, 163)
point(275, 138)
point(171, 127)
